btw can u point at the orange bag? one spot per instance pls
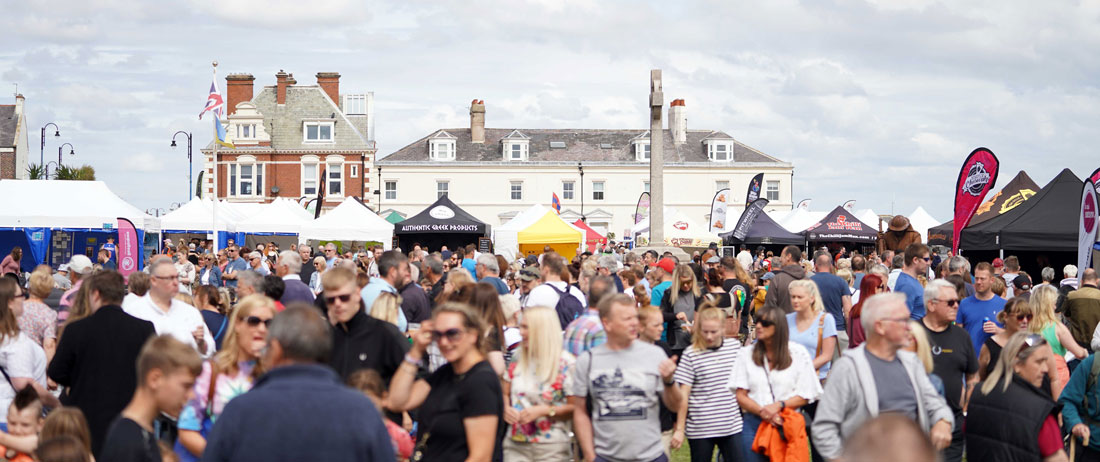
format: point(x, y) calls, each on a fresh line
point(796, 447)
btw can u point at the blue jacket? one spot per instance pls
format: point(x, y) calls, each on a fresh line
point(1073, 398)
point(295, 413)
point(215, 276)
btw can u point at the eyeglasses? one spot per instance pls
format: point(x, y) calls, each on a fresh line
point(343, 298)
point(952, 302)
point(1021, 317)
point(167, 278)
point(330, 250)
point(254, 321)
point(452, 334)
point(765, 323)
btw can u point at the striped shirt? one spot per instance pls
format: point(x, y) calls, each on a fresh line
point(712, 406)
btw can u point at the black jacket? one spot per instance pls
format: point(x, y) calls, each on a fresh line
point(1004, 425)
point(97, 360)
point(414, 302)
point(367, 343)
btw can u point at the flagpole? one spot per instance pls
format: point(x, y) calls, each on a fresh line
point(214, 201)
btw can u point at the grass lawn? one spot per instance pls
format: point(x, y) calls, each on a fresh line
point(682, 454)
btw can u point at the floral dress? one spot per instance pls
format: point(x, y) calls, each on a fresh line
point(225, 389)
point(528, 391)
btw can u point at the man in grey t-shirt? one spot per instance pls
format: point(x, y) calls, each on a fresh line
point(625, 379)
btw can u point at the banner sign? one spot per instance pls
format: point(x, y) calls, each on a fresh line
point(804, 204)
point(127, 247)
point(718, 207)
point(1086, 232)
point(1095, 179)
point(754, 189)
point(976, 177)
point(748, 217)
point(642, 210)
point(849, 205)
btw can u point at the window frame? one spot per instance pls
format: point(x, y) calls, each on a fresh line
point(571, 193)
point(334, 167)
point(237, 179)
point(643, 151)
point(513, 193)
point(354, 170)
point(331, 130)
point(433, 149)
point(601, 190)
point(316, 177)
point(445, 190)
point(353, 99)
point(386, 190)
point(768, 190)
point(712, 150)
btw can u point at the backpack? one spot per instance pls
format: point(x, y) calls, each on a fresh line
point(568, 306)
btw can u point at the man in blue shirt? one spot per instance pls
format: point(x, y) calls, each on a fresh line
point(110, 248)
point(666, 266)
point(393, 268)
point(330, 255)
point(917, 259)
point(488, 270)
point(468, 260)
point(233, 266)
point(835, 294)
point(978, 312)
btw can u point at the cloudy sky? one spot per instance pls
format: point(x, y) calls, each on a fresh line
point(873, 100)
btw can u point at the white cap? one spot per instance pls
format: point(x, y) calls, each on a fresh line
point(80, 264)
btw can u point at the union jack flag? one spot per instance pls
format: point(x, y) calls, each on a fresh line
point(214, 102)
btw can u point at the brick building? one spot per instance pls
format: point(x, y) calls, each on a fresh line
point(291, 139)
point(13, 141)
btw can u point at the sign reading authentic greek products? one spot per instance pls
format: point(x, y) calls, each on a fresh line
point(464, 228)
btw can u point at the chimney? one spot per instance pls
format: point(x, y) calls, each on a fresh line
point(677, 121)
point(280, 87)
point(238, 88)
point(477, 121)
point(330, 83)
point(18, 104)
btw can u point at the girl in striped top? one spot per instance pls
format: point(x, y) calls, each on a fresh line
point(711, 417)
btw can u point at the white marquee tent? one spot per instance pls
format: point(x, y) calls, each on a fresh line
point(680, 231)
point(922, 221)
point(349, 221)
point(272, 218)
point(65, 204)
point(196, 216)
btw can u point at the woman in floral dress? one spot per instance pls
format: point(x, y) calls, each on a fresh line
point(535, 389)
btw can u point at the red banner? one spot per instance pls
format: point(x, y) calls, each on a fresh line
point(976, 179)
point(127, 247)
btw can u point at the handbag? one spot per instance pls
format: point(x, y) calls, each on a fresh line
point(207, 418)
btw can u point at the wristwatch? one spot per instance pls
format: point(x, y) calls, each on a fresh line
point(552, 412)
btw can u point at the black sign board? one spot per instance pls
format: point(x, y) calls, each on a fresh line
point(484, 245)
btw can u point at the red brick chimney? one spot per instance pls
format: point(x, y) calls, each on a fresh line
point(280, 87)
point(330, 83)
point(238, 88)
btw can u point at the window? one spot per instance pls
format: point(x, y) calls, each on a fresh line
point(720, 185)
point(391, 190)
point(318, 131)
point(309, 179)
point(354, 171)
point(517, 190)
point(355, 104)
point(515, 150)
point(642, 151)
point(441, 188)
point(645, 186)
point(567, 188)
point(335, 174)
point(246, 131)
point(773, 190)
point(442, 149)
point(246, 179)
point(597, 190)
point(720, 151)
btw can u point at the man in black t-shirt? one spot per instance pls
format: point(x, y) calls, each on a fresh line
point(953, 355)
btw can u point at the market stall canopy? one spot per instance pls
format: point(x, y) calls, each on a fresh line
point(1047, 221)
point(1015, 192)
point(551, 230)
point(592, 238)
point(442, 223)
point(680, 231)
point(271, 219)
point(922, 221)
point(841, 226)
point(506, 236)
point(350, 221)
point(196, 216)
point(870, 217)
point(64, 204)
point(800, 220)
point(394, 218)
point(765, 231)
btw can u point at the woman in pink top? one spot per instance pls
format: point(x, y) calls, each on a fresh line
point(11, 262)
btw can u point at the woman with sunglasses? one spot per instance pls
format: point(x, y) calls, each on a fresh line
point(460, 404)
point(209, 274)
point(871, 285)
point(538, 415)
point(230, 373)
point(1010, 417)
point(679, 304)
point(775, 375)
point(1016, 317)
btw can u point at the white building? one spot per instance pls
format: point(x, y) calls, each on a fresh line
point(495, 173)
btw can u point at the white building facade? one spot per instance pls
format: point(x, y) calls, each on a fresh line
point(597, 174)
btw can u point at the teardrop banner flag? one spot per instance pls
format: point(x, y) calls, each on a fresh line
point(748, 217)
point(718, 207)
point(1095, 178)
point(976, 179)
point(1086, 232)
point(642, 210)
point(754, 189)
point(127, 247)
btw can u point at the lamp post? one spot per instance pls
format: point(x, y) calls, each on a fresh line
point(580, 168)
point(378, 190)
point(42, 147)
point(190, 180)
point(46, 173)
point(72, 152)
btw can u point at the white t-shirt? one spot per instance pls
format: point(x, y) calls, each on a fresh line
point(20, 357)
point(547, 296)
point(180, 320)
point(797, 379)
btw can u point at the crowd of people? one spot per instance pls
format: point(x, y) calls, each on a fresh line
point(441, 354)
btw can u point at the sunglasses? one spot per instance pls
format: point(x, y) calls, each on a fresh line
point(952, 302)
point(254, 321)
point(765, 323)
point(1034, 339)
point(343, 298)
point(452, 334)
point(1021, 317)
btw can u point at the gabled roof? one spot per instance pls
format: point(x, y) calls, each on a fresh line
point(516, 135)
point(581, 145)
point(305, 103)
point(442, 134)
point(8, 125)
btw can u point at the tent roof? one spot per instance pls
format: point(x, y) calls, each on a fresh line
point(766, 231)
point(550, 229)
point(64, 204)
point(922, 221)
point(868, 216)
point(1046, 221)
point(350, 221)
point(841, 226)
point(523, 220)
point(394, 218)
point(800, 220)
point(196, 215)
point(590, 235)
point(1015, 192)
point(273, 217)
point(443, 216)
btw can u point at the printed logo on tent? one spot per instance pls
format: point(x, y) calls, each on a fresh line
point(1015, 200)
point(976, 179)
point(842, 223)
point(680, 225)
point(128, 264)
point(441, 212)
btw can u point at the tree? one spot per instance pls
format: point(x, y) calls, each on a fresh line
point(82, 173)
point(36, 172)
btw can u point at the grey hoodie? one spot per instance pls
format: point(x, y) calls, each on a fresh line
point(850, 399)
point(777, 296)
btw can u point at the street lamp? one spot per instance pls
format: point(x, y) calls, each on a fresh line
point(378, 190)
point(42, 147)
point(72, 152)
point(46, 173)
point(580, 168)
point(190, 191)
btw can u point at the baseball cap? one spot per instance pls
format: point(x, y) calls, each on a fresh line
point(531, 260)
point(529, 274)
point(64, 267)
point(714, 260)
point(80, 264)
point(997, 263)
point(1022, 282)
point(666, 264)
point(768, 276)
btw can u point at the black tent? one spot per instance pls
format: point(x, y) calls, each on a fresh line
point(765, 231)
point(1046, 222)
point(1020, 189)
point(442, 223)
point(841, 226)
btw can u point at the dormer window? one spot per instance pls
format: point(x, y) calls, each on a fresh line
point(442, 146)
point(318, 132)
point(641, 151)
point(720, 150)
point(246, 131)
point(515, 146)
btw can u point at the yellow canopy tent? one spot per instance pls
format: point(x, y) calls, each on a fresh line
point(553, 231)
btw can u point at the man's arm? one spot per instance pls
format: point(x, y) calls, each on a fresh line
point(825, 429)
point(971, 382)
point(582, 426)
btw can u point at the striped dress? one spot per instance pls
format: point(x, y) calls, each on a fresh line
point(712, 407)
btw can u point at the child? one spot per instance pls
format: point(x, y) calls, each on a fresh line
point(62, 448)
point(24, 419)
point(166, 375)
point(370, 383)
